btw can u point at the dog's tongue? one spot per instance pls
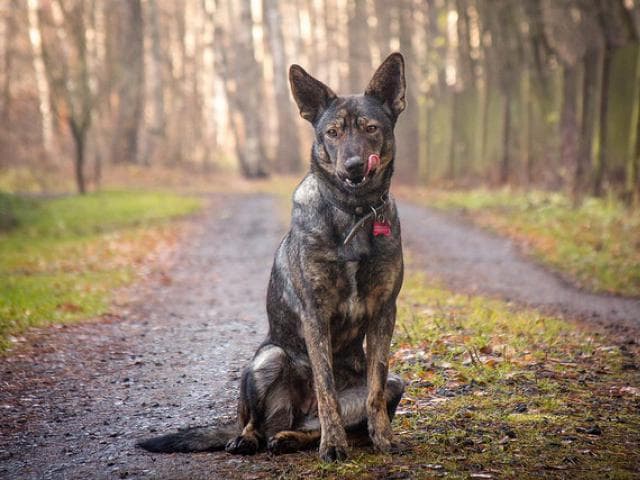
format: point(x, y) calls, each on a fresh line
point(372, 163)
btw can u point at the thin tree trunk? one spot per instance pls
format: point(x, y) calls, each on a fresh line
point(568, 118)
point(453, 143)
point(157, 72)
point(601, 165)
point(248, 80)
point(79, 138)
point(527, 116)
point(631, 173)
point(584, 160)
point(44, 100)
point(637, 159)
point(486, 105)
point(383, 30)
point(9, 32)
point(332, 31)
point(288, 148)
point(407, 131)
point(130, 81)
point(505, 165)
point(359, 55)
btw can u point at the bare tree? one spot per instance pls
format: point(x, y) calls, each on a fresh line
point(64, 48)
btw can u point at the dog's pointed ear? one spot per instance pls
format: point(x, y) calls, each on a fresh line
point(388, 84)
point(311, 95)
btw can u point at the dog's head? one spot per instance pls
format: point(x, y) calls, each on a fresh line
point(354, 144)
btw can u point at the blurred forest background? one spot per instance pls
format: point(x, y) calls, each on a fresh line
point(532, 93)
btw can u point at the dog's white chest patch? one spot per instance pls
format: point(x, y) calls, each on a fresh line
point(353, 307)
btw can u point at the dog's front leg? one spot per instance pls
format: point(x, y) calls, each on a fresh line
point(333, 441)
point(379, 334)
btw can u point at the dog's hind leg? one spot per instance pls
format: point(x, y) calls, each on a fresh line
point(354, 416)
point(266, 404)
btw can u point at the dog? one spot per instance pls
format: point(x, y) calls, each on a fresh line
point(322, 371)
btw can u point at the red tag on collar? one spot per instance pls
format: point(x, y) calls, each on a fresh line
point(381, 228)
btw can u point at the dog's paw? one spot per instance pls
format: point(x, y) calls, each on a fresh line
point(384, 445)
point(333, 453)
point(382, 438)
point(242, 445)
point(279, 444)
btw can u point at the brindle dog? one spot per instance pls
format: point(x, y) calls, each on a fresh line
point(331, 302)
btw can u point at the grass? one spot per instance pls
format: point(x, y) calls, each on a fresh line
point(500, 392)
point(61, 258)
point(596, 245)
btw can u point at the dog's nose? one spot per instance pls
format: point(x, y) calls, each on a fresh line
point(354, 165)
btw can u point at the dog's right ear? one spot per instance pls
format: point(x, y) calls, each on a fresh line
point(311, 95)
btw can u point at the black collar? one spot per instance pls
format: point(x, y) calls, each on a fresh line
point(376, 213)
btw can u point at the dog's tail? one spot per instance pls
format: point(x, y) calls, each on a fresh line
point(197, 439)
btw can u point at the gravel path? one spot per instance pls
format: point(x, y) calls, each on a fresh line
point(73, 408)
point(76, 399)
point(470, 259)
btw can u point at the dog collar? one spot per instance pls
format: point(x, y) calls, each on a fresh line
point(380, 225)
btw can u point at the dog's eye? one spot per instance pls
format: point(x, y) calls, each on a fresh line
point(332, 132)
point(372, 128)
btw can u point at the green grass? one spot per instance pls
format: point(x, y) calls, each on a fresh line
point(60, 258)
point(503, 392)
point(596, 245)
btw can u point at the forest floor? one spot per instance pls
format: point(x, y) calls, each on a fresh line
point(499, 385)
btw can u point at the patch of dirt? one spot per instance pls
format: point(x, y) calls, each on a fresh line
point(469, 259)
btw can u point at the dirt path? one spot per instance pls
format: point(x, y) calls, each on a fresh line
point(470, 259)
point(73, 404)
point(74, 407)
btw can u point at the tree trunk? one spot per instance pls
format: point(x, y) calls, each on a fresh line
point(631, 171)
point(44, 100)
point(598, 178)
point(130, 76)
point(506, 140)
point(248, 81)
point(453, 143)
point(407, 131)
point(332, 31)
point(568, 118)
point(8, 32)
point(79, 135)
point(527, 116)
point(383, 29)
point(288, 148)
point(584, 160)
point(359, 55)
point(486, 105)
point(158, 123)
point(637, 158)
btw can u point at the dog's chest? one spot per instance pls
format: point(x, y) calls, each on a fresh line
point(351, 316)
point(353, 305)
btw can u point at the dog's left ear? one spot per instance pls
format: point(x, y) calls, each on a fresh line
point(388, 84)
point(311, 95)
